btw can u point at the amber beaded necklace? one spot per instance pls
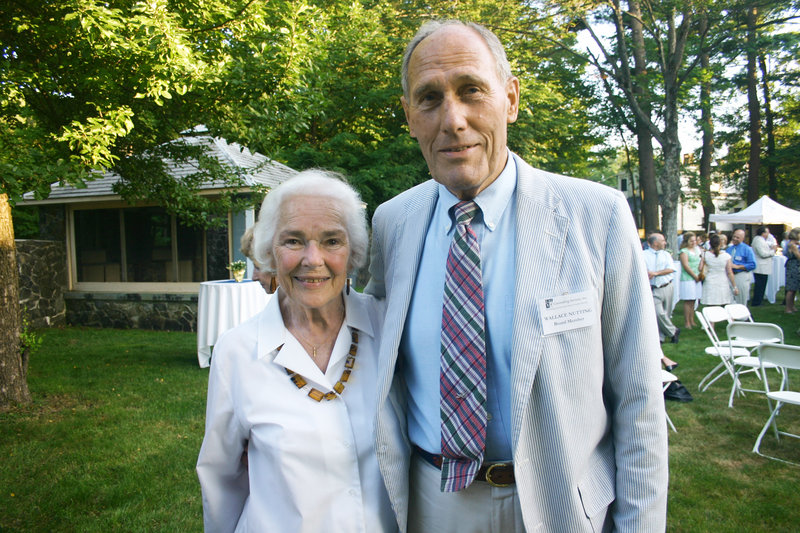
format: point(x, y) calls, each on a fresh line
point(318, 395)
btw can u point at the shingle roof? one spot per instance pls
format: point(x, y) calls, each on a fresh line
point(259, 170)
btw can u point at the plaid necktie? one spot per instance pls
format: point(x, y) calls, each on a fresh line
point(463, 366)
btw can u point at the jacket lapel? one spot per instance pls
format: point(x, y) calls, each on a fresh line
point(541, 238)
point(403, 263)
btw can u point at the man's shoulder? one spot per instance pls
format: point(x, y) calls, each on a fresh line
point(408, 199)
point(567, 189)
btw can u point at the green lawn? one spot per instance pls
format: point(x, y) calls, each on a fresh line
point(111, 439)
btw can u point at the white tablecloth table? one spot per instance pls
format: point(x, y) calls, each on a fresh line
point(222, 305)
point(777, 278)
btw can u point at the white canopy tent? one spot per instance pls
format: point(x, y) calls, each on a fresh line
point(764, 211)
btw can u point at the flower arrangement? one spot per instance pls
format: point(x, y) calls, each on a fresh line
point(237, 268)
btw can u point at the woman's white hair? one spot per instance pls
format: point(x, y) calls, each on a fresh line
point(317, 183)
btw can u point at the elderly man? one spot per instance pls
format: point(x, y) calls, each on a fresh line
point(521, 387)
point(660, 270)
point(743, 262)
point(764, 246)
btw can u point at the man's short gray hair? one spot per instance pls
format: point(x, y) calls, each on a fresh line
point(427, 29)
point(321, 184)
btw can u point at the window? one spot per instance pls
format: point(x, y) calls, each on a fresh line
point(145, 245)
point(97, 245)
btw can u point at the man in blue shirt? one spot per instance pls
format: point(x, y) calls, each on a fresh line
point(743, 263)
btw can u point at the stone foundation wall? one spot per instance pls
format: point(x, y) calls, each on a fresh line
point(173, 312)
point(42, 281)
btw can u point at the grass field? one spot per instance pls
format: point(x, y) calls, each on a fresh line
point(111, 438)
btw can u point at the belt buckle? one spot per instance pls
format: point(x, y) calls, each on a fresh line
point(489, 475)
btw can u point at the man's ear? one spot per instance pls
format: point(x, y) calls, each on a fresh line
point(512, 93)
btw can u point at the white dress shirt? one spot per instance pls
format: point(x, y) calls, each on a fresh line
point(312, 465)
point(657, 261)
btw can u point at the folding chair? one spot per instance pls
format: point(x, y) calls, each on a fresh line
point(787, 357)
point(758, 333)
point(724, 351)
point(738, 312)
point(666, 379)
point(715, 314)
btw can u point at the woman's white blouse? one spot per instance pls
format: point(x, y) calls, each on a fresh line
point(312, 465)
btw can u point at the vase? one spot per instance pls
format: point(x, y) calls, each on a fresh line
point(238, 275)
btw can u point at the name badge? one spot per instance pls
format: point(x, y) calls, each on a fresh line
point(568, 312)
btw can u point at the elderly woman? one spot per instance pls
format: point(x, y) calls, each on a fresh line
point(690, 287)
point(295, 386)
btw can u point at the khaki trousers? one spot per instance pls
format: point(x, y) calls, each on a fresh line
point(480, 508)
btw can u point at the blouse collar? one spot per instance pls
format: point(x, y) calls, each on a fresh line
point(272, 334)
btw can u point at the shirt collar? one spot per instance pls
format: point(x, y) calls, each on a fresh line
point(272, 333)
point(492, 201)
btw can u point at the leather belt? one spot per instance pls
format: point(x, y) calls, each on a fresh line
point(660, 286)
point(495, 474)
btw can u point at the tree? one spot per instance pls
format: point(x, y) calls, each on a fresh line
point(345, 111)
point(89, 86)
point(753, 106)
point(764, 50)
point(668, 27)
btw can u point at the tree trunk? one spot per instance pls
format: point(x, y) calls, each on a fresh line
point(671, 192)
point(647, 178)
point(13, 386)
point(707, 126)
point(772, 174)
point(671, 176)
point(647, 166)
point(753, 107)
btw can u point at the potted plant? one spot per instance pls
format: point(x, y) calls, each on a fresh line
point(237, 269)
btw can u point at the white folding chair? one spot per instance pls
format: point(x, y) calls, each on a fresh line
point(787, 357)
point(738, 312)
point(758, 333)
point(714, 314)
point(724, 351)
point(666, 379)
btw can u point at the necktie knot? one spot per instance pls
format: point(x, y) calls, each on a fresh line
point(465, 211)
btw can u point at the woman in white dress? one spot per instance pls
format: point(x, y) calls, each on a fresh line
point(719, 285)
point(289, 440)
point(690, 287)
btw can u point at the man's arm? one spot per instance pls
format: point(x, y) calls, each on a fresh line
point(633, 382)
point(762, 248)
point(376, 286)
point(747, 261)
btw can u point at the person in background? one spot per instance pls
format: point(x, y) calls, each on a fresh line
point(691, 288)
point(723, 242)
point(295, 386)
point(659, 270)
point(548, 425)
point(719, 285)
point(792, 267)
point(743, 263)
point(702, 239)
point(764, 246)
point(259, 274)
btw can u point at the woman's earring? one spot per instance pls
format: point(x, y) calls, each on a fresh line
point(348, 286)
point(273, 285)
